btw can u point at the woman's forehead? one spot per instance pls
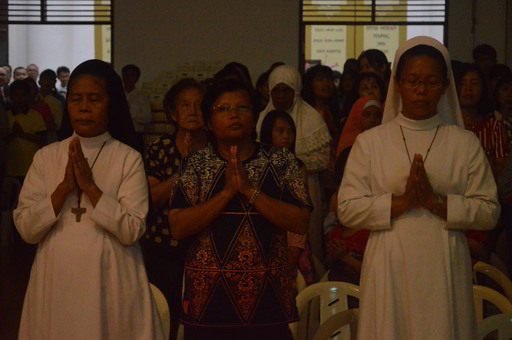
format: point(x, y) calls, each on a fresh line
point(88, 82)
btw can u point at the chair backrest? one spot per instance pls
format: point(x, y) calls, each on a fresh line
point(496, 275)
point(498, 322)
point(325, 278)
point(318, 265)
point(301, 283)
point(333, 299)
point(163, 310)
point(336, 321)
point(481, 293)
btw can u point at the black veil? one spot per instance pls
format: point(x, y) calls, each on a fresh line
point(120, 125)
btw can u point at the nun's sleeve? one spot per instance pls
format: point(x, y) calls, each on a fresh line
point(477, 208)
point(124, 216)
point(358, 207)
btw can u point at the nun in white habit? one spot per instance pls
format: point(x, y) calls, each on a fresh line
point(312, 142)
point(84, 202)
point(417, 182)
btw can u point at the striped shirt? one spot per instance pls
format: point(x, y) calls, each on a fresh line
point(493, 138)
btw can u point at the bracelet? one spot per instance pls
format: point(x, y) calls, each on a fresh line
point(254, 195)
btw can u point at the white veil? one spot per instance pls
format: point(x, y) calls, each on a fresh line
point(313, 141)
point(448, 106)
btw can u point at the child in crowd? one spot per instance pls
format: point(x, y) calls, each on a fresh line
point(279, 129)
point(345, 247)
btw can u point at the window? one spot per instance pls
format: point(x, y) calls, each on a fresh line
point(333, 31)
point(51, 33)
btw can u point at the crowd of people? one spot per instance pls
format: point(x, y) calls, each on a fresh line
point(390, 177)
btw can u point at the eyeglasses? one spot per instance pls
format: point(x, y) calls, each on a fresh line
point(238, 109)
point(415, 83)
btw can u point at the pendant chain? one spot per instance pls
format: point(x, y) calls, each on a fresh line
point(407, 149)
point(92, 166)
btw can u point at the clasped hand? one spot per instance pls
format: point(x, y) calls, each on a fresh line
point(78, 173)
point(418, 190)
point(236, 176)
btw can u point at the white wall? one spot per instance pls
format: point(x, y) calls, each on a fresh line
point(161, 34)
point(489, 26)
point(50, 46)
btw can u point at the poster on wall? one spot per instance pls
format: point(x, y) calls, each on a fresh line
point(328, 44)
point(385, 38)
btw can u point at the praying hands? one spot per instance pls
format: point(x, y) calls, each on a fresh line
point(236, 177)
point(78, 174)
point(418, 193)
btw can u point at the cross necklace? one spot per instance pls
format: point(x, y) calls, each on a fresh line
point(78, 211)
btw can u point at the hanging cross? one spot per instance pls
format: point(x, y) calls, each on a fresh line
point(78, 212)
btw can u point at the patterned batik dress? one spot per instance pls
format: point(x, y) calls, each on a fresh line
point(236, 271)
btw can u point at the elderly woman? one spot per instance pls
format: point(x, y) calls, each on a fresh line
point(165, 256)
point(84, 202)
point(417, 182)
point(238, 198)
point(312, 143)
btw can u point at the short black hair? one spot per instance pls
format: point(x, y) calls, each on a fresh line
point(418, 51)
point(18, 68)
point(171, 97)
point(484, 49)
point(220, 87)
point(62, 69)
point(48, 73)
point(505, 80)
point(18, 85)
point(376, 58)
point(131, 67)
point(235, 70)
point(378, 79)
point(268, 125)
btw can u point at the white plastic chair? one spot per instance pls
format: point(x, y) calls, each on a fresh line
point(496, 275)
point(336, 321)
point(318, 265)
point(163, 310)
point(481, 293)
point(333, 299)
point(499, 322)
point(325, 278)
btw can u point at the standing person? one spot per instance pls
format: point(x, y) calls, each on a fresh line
point(418, 182)
point(164, 255)
point(477, 116)
point(319, 92)
point(140, 110)
point(375, 61)
point(502, 96)
point(8, 68)
point(313, 142)
point(278, 129)
point(238, 198)
point(63, 76)
point(84, 202)
point(27, 131)
point(33, 71)
point(4, 88)
point(19, 73)
point(49, 96)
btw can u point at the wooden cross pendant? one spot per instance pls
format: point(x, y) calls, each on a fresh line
point(78, 212)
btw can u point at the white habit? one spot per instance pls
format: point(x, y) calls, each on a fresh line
point(88, 279)
point(416, 275)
